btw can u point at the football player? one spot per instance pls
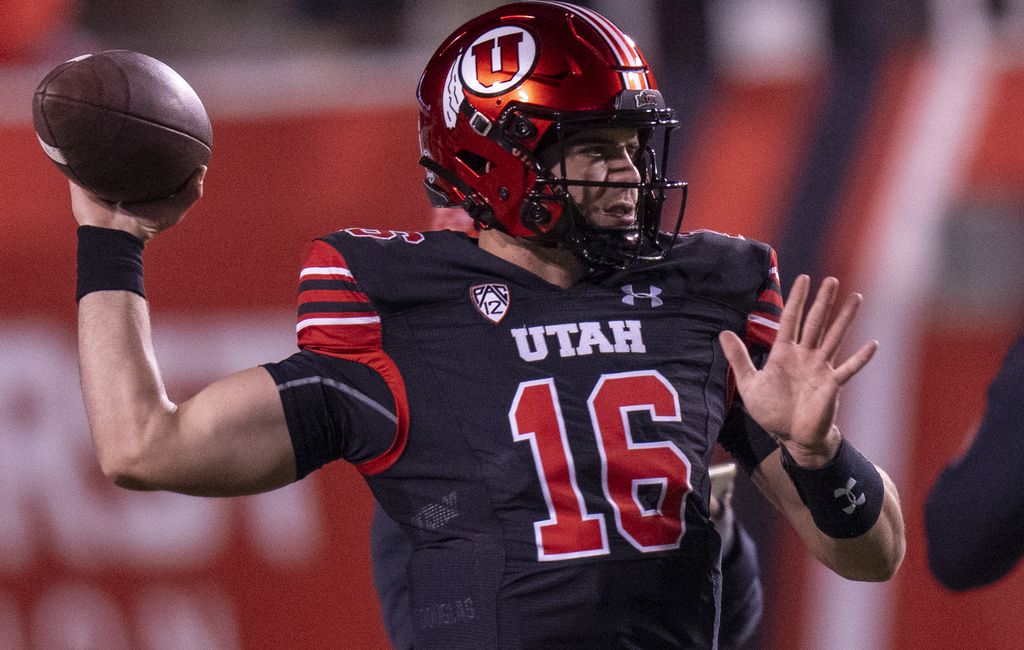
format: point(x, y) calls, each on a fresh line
point(537, 407)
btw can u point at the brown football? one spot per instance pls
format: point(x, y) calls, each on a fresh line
point(122, 124)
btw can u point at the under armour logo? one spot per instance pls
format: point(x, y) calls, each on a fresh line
point(848, 493)
point(652, 295)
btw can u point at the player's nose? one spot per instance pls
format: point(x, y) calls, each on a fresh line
point(623, 169)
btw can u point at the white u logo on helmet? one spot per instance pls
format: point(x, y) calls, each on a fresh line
point(498, 60)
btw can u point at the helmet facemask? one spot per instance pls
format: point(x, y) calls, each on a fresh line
point(551, 213)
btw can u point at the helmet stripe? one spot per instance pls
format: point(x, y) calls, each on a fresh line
point(625, 51)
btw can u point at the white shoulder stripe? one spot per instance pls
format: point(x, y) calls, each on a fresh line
point(325, 270)
point(353, 320)
point(761, 320)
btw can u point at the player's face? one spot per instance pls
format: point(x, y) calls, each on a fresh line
point(604, 155)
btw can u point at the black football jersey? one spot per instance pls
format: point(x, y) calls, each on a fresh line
point(546, 449)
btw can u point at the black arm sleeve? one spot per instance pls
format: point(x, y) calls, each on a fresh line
point(974, 513)
point(745, 440)
point(334, 408)
point(742, 594)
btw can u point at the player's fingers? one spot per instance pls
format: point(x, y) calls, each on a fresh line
point(737, 356)
point(852, 366)
point(161, 214)
point(792, 313)
point(80, 195)
point(91, 210)
point(192, 191)
point(836, 332)
point(817, 315)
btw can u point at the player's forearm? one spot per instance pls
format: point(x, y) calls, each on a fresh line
point(877, 554)
point(124, 395)
point(874, 555)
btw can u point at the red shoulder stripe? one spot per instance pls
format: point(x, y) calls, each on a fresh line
point(763, 321)
point(338, 319)
point(335, 316)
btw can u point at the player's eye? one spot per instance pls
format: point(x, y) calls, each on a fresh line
point(591, 150)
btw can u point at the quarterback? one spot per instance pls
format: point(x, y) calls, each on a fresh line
point(536, 407)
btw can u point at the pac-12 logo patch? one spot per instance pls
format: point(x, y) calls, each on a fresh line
point(491, 300)
point(498, 60)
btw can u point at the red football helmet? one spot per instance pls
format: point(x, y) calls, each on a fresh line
point(515, 81)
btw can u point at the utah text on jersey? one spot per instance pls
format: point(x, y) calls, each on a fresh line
point(613, 337)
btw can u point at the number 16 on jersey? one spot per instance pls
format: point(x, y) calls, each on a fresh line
point(627, 466)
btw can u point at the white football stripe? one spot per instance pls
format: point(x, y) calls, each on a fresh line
point(625, 44)
point(353, 320)
point(325, 270)
point(53, 152)
point(605, 29)
point(761, 320)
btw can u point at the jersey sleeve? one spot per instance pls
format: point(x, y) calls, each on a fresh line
point(343, 395)
point(334, 408)
point(763, 321)
point(741, 436)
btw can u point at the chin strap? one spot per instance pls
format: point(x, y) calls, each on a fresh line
point(474, 204)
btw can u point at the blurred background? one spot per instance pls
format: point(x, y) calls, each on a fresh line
point(877, 140)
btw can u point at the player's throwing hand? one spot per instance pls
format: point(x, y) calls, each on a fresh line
point(143, 220)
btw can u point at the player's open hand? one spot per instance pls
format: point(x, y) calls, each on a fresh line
point(144, 220)
point(794, 396)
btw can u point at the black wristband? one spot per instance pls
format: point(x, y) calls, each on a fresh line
point(108, 260)
point(844, 497)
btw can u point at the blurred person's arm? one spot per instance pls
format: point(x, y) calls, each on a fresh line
point(974, 513)
point(742, 593)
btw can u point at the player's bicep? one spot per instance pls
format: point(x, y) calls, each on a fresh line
point(231, 439)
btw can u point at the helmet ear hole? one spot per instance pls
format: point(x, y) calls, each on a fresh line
point(535, 215)
point(473, 162)
point(519, 128)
